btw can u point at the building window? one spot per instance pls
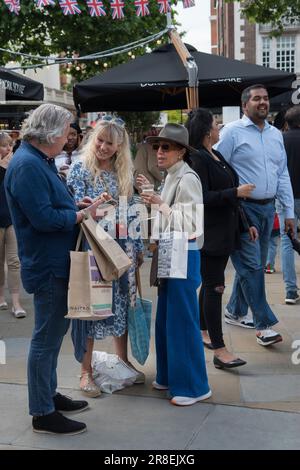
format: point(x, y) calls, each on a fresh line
point(266, 45)
point(285, 53)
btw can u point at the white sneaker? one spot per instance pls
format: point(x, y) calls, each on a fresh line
point(267, 337)
point(158, 386)
point(245, 321)
point(187, 401)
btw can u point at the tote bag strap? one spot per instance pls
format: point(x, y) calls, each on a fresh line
point(79, 239)
point(138, 281)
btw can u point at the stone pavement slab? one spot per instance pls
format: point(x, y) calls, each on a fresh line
point(120, 422)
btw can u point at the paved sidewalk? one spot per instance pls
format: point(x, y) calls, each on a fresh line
point(253, 407)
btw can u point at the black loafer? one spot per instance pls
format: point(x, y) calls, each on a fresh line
point(228, 365)
point(208, 345)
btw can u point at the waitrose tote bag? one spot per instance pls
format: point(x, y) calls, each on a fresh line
point(89, 296)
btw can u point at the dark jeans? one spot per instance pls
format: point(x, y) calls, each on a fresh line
point(210, 297)
point(50, 306)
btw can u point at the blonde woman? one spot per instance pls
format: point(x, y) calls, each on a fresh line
point(106, 167)
point(8, 242)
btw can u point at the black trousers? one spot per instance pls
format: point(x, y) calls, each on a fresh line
point(210, 297)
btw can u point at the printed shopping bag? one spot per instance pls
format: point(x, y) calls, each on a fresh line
point(111, 259)
point(89, 297)
point(172, 255)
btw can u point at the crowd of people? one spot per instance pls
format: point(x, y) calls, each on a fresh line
point(216, 189)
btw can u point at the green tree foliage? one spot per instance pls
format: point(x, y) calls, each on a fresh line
point(49, 32)
point(175, 116)
point(275, 12)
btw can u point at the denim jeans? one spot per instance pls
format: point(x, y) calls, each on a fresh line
point(249, 262)
point(50, 304)
point(273, 243)
point(287, 252)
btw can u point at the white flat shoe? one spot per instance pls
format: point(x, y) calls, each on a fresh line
point(158, 386)
point(18, 312)
point(3, 306)
point(187, 401)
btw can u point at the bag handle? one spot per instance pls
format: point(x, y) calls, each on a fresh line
point(138, 281)
point(79, 239)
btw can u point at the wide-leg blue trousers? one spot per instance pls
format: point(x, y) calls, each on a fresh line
point(179, 347)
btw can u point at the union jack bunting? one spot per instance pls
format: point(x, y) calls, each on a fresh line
point(13, 6)
point(164, 6)
point(96, 7)
point(188, 3)
point(142, 8)
point(117, 9)
point(44, 3)
point(69, 7)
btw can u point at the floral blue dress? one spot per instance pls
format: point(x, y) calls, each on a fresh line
point(82, 184)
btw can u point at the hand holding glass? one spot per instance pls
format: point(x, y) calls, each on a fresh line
point(147, 189)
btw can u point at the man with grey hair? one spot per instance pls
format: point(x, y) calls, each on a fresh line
point(45, 219)
point(256, 151)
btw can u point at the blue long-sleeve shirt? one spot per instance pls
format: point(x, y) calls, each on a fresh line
point(259, 157)
point(43, 214)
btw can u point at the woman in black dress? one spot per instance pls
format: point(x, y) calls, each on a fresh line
point(223, 221)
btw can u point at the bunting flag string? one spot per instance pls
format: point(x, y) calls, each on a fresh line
point(142, 7)
point(13, 6)
point(96, 7)
point(164, 6)
point(117, 9)
point(188, 3)
point(69, 7)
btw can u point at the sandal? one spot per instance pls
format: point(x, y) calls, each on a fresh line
point(88, 386)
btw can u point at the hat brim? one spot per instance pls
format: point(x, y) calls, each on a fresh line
point(155, 139)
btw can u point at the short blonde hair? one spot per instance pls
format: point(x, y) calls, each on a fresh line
point(117, 134)
point(5, 138)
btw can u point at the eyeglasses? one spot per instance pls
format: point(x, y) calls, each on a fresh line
point(110, 118)
point(164, 147)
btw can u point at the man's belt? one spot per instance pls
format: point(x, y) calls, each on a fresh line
point(259, 201)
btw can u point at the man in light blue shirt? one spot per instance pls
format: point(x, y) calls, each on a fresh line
point(256, 151)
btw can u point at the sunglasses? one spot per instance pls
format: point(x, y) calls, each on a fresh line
point(164, 147)
point(110, 118)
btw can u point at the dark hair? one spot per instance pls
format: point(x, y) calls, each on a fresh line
point(76, 126)
point(246, 94)
point(279, 120)
point(199, 124)
point(292, 117)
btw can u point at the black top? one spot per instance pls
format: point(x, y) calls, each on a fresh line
point(5, 219)
point(292, 146)
point(221, 206)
